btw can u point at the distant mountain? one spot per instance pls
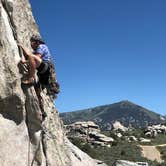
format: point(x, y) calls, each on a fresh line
point(128, 113)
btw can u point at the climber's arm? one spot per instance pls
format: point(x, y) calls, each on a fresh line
point(27, 55)
point(38, 55)
point(25, 52)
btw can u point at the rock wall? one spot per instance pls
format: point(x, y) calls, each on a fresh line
point(25, 140)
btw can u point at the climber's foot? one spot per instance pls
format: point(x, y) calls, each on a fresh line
point(30, 81)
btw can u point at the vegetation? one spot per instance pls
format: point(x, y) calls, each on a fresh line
point(133, 132)
point(122, 149)
point(162, 152)
point(119, 150)
point(138, 133)
point(159, 139)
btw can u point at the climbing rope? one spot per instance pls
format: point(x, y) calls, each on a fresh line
point(29, 152)
point(38, 145)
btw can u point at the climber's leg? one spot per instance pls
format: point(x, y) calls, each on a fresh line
point(38, 93)
point(34, 62)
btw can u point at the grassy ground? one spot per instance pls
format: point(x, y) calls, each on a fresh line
point(122, 149)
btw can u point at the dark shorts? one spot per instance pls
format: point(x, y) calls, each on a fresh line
point(43, 73)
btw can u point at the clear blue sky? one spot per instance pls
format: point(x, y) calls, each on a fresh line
point(106, 51)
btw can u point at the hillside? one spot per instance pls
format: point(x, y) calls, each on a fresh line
point(126, 112)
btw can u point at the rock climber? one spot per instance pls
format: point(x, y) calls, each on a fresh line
point(40, 60)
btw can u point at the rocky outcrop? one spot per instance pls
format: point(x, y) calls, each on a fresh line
point(144, 140)
point(154, 130)
point(85, 127)
point(24, 138)
point(89, 132)
point(132, 138)
point(82, 129)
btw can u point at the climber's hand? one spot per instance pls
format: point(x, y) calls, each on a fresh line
point(25, 52)
point(23, 61)
point(19, 45)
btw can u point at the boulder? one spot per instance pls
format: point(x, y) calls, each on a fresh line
point(119, 135)
point(124, 163)
point(132, 138)
point(152, 131)
point(144, 140)
point(101, 137)
point(88, 131)
point(118, 126)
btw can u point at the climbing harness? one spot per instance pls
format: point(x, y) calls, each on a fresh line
point(47, 79)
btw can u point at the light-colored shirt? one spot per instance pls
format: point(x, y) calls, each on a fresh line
point(43, 50)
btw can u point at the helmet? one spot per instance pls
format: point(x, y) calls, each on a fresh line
point(37, 38)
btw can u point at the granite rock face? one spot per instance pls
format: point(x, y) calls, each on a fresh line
point(25, 140)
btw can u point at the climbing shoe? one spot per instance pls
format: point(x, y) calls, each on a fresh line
point(29, 82)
